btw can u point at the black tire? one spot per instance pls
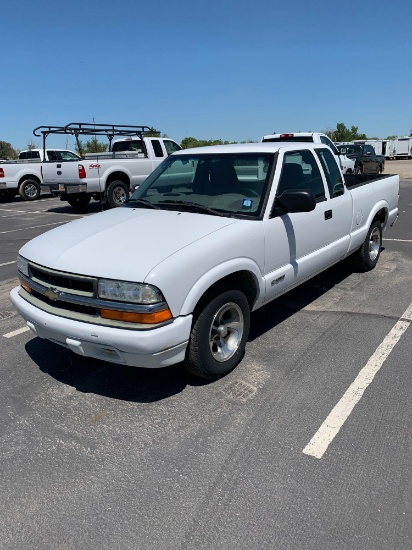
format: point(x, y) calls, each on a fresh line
point(380, 169)
point(219, 335)
point(368, 254)
point(29, 190)
point(80, 203)
point(359, 170)
point(117, 193)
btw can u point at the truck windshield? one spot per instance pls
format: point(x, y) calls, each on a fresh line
point(232, 184)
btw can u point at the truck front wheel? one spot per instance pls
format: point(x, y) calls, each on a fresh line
point(117, 193)
point(29, 190)
point(368, 254)
point(219, 335)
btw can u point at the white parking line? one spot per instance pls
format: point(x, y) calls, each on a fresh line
point(34, 227)
point(320, 442)
point(400, 240)
point(9, 263)
point(16, 332)
point(13, 212)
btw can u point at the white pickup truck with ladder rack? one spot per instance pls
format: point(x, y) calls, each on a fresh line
point(109, 176)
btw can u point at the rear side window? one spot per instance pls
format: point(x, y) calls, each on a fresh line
point(332, 172)
point(128, 145)
point(157, 148)
point(23, 156)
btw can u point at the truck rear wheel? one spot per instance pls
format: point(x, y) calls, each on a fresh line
point(359, 170)
point(29, 190)
point(368, 254)
point(80, 203)
point(117, 193)
point(219, 335)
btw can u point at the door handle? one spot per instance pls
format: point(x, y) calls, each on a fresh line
point(328, 214)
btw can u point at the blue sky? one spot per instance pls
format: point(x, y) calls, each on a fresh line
point(231, 70)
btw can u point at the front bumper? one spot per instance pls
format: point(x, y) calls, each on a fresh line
point(159, 347)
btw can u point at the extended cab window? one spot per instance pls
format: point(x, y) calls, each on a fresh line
point(326, 141)
point(171, 146)
point(332, 172)
point(300, 171)
point(157, 148)
point(369, 149)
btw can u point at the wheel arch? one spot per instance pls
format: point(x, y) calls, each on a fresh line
point(381, 216)
point(26, 177)
point(247, 279)
point(118, 176)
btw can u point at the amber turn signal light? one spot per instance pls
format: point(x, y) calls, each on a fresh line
point(130, 317)
point(25, 286)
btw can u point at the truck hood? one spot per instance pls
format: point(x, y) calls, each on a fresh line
point(123, 243)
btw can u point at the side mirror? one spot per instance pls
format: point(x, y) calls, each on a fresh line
point(294, 200)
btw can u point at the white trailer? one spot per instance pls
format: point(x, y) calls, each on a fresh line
point(389, 149)
point(403, 147)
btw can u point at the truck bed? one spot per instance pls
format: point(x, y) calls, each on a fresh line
point(356, 180)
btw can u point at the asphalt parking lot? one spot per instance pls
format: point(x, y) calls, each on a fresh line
point(306, 445)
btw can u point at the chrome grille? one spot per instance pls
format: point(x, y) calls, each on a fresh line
point(65, 282)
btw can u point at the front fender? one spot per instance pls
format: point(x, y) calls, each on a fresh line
point(219, 272)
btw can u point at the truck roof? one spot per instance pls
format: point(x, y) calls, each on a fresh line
point(261, 147)
point(47, 149)
point(293, 134)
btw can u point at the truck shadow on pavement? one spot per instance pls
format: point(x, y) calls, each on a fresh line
point(142, 385)
point(64, 208)
point(277, 311)
point(112, 380)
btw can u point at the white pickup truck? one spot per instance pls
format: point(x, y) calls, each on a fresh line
point(347, 164)
point(24, 176)
point(221, 231)
point(110, 176)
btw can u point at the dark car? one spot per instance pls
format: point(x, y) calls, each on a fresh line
point(366, 160)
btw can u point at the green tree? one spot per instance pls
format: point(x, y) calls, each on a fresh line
point(345, 134)
point(92, 145)
point(7, 151)
point(392, 137)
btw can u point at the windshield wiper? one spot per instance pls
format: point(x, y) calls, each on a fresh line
point(143, 202)
point(195, 206)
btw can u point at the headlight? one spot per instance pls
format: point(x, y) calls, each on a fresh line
point(135, 293)
point(23, 265)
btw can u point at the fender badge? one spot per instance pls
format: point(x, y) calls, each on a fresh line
point(52, 294)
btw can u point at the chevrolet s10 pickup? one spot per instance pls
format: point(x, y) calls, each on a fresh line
point(212, 234)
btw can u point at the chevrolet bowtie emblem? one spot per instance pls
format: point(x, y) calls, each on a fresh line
point(52, 294)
